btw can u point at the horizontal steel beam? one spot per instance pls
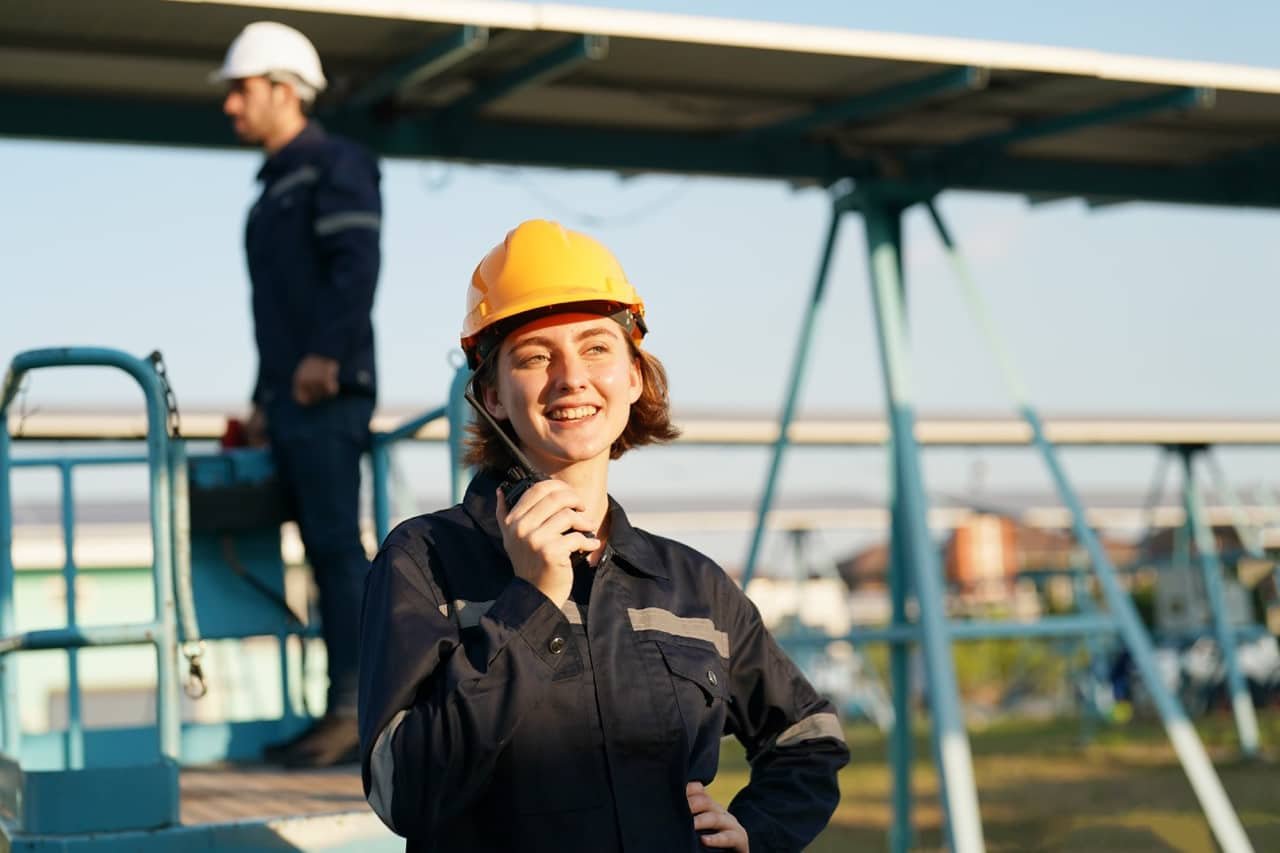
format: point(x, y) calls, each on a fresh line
point(594, 148)
point(799, 161)
point(963, 630)
point(853, 430)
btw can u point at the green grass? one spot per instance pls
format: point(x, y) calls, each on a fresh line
point(1041, 788)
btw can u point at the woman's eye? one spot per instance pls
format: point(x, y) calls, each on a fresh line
point(597, 349)
point(533, 360)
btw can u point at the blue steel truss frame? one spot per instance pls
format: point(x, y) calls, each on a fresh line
point(888, 183)
point(915, 565)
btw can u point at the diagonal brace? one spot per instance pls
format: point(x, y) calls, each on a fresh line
point(874, 104)
point(437, 57)
point(543, 69)
point(1184, 98)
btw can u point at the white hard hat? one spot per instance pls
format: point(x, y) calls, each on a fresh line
point(265, 47)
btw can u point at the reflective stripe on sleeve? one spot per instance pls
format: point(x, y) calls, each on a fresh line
point(466, 613)
point(382, 771)
point(335, 222)
point(298, 177)
point(811, 727)
point(695, 628)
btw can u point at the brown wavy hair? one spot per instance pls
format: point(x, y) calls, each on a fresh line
point(649, 423)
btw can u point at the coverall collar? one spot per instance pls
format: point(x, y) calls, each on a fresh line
point(626, 543)
point(310, 134)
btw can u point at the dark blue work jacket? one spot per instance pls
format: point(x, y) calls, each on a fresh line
point(492, 720)
point(312, 246)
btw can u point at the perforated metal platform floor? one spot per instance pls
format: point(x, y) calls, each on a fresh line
point(235, 793)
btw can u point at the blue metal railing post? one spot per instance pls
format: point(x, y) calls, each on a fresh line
point(10, 737)
point(1222, 817)
point(1211, 571)
point(458, 412)
point(192, 645)
point(75, 725)
point(800, 359)
point(955, 770)
point(380, 461)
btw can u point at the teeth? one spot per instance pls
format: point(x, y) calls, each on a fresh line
point(573, 414)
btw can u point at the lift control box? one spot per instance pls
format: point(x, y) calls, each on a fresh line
point(237, 571)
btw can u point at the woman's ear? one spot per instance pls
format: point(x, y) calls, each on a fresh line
point(489, 396)
point(636, 380)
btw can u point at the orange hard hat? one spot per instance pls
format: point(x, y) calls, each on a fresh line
point(544, 268)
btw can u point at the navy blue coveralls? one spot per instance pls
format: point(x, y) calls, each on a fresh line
point(312, 242)
point(492, 720)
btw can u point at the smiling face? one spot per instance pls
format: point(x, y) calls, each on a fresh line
point(566, 383)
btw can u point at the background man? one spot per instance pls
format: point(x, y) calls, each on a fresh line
point(312, 246)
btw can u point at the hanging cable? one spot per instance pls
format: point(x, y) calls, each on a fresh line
point(589, 219)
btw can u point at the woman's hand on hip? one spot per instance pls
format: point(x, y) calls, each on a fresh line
point(542, 532)
point(719, 828)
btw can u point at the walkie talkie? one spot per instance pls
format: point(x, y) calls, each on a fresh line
point(521, 475)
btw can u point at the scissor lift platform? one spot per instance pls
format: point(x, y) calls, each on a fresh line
point(224, 794)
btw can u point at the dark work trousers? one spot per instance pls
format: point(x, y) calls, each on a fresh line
point(317, 450)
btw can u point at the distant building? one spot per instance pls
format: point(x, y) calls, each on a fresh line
point(986, 555)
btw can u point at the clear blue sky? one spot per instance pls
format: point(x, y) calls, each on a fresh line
point(1128, 309)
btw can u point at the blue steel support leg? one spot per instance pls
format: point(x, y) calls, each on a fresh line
point(1181, 546)
point(1093, 655)
point(955, 770)
point(75, 726)
point(10, 742)
point(799, 361)
point(901, 746)
point(457, 411)
point(1222, 818)
point(1211, 571)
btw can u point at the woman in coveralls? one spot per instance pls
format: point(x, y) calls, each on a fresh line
point(515, 696)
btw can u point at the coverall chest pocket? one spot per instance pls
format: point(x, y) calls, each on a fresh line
point(700, 681)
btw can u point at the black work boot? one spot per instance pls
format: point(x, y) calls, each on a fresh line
point(332, 740)
point(274, 753)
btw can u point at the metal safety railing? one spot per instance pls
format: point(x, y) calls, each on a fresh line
point(455, 412)
point(166, 465)
point(174, 627)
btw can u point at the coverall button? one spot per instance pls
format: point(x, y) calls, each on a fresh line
point(711, 676)
point(556, 645)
